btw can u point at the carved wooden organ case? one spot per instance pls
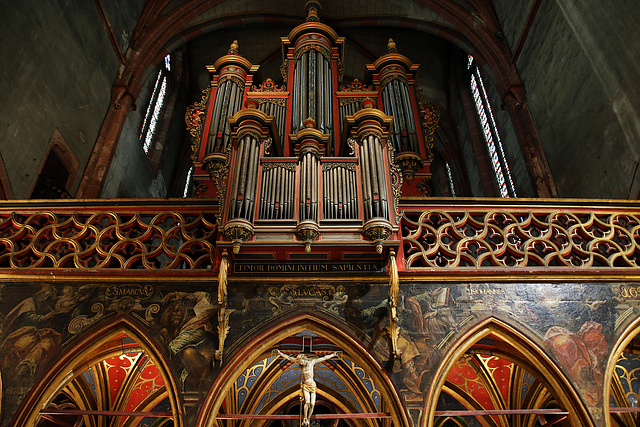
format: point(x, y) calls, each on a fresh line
point(313, 163)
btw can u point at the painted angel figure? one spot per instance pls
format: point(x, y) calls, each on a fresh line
point(308, 385)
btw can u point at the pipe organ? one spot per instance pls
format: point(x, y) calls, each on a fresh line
point(314, 159)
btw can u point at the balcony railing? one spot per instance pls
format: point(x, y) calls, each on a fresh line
point(551, 236)
point(449, 236)
point(113, 235)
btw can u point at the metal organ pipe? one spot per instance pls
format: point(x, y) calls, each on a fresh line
point(374, 184)
point(245, 179)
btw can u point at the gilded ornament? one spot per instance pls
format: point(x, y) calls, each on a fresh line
point(238, 231)
point(356, 86)
point(268, 86)
point(396, 178)
point(409, 164)
point(378, 230)
point(194, 117)
point(429, 117)
point(425, 187)
point(307, 231)
point(282, 102)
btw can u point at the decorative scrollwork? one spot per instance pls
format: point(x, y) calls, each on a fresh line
point(107, 240)
point(521, 239)
point(396, 178)
point(194, 117)
point(233, 79)
point(80, 323)
point(356, 86)
point(398, 74)
point(351, 166)
point(351, 142)
point(313, 46)
point(354, 100)
point(282, 102)
point(268, 86)
point(429, 117)
point(267, 146)
point(291, 166)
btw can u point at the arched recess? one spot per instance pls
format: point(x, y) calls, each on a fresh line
point(528, 352)
point(612, 391)
point(161, 32)
point(260, 346)
point(92, 348)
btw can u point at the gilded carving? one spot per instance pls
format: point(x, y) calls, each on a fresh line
point(425, 187)
point(396, 178)
point(313, 46)
point(520, 239)
point(285, 165)
point(399, 75)
point(352, 100)
point(350, 166)
point(268, 86)
point(233, 79)
point(194, 117)
point(429, 117)
point(282, 102)
point(89, 240)
point(356, 86)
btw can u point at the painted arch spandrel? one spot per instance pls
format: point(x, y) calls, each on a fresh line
point(39, 321)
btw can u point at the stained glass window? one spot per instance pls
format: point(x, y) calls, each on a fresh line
point(450, 177)
point(490, 132)
point(155, 107)
point(187, 184)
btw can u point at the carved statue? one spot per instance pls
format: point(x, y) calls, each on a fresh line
point(308, 385)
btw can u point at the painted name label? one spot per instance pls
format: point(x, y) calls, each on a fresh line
point(306, 267)
point(135, 291)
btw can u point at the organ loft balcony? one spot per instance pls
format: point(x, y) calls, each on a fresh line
point(315, 168)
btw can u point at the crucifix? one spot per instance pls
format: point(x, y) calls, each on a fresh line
point(306, 362)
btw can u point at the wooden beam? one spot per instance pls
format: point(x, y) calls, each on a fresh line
point(295, 417)
point(525, 30)
point(473, 413)
point(109, 29)
point(110, 413)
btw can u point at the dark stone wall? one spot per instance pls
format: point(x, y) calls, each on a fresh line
point(510, 144)
point(469, 159)
point(132, 173)
point(579, 66)
point(57, 72)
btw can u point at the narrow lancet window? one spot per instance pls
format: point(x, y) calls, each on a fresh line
point(490, 132)
point(155, 107)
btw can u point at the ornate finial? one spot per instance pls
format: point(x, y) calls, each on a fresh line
point(312, 7)
point(391, 46)
point(309, 123)
point(233, 49)
point(251, 103)
point(368, 103)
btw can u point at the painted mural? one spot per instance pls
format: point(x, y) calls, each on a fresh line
point(576, 324)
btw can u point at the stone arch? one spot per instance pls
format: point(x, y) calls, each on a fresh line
point(623, 341)
point(255, 347)
point(75, 357)
point(528, 349)
point(153, 41)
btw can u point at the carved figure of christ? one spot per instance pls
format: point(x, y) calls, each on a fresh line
point(306, 365)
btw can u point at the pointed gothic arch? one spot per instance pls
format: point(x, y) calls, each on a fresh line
point(528, 350)
point(625, 338)
point(257, 346)
point(92, 347)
